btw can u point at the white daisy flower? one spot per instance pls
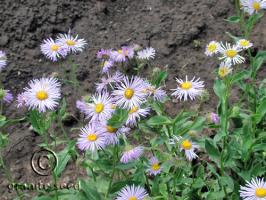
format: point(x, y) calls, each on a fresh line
point(146, 54)
point(72, 44)
point(188, 89)
point(186, 145)
point(91, 138)
point(52, 49)
point(128, 92)
point(212, 48)
point(224, 69)
point(132, 193)
point(2, 60)
point(42, 94)
point(134, 115)
point(100, 108)
point(109, 80)
point(244, 44)
point(252, 6)
point(254, 190)
point(230, 53)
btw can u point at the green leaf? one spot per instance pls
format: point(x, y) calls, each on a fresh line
point(158, 78)
point(258, 61)
point(89, 190)
point(119, 118)
point(233, 19)
point(158, 120)
point(212, 150)
point(239, 76)
point(261, 111)
point(219, 88)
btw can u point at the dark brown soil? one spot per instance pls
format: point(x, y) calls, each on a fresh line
point(173, 28)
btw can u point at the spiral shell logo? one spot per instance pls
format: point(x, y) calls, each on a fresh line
point(43, 162)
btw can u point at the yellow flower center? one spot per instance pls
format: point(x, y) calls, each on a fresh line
point(120, 51)
point(70, 42)
point(133, 198)
point(156, 166)
point(113, 106)
point(186, 144)
point(41, 95)
point(261, 192)
point(129, 93)
point(231, 53)
point(54, 47)
point(186, 85)
point(244, 43)
point(256, 6)
point(212, 47)
point(133, 109)
point(111, 129)
point(92, 137)
point(223, 71)
point(99, 107)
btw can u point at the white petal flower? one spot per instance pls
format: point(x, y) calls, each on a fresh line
point(72, 44)
point(42, 94)
point(91, 138)
point(100, 108)
point(129, 92)
point(231, 53)
point(134, 115)
point(131, 154)
point(224, 69)
point(53, 50)
point(132, 193)
point(244, 44)
point(2, 60)
point(109, 80)
point(254, 190)
point(188, 89)
point(146, 54)
point(212, 48)
point(252, 6)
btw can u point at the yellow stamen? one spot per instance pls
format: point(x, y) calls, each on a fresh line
point(111, 129)
point(261, 192)
point(70, 42)
point(212, 47)
point(231, 53)
point(256, 6)
point(186, 144)
point(133, 198)
point(92, 137)
point(54, 47)
point(244, 43)
point(133, 109)
point(99, 107)
point(129, 93)
point(41, 95)
point(186, 85)
point(120, 51)
point(156, 166)
point(223, 71)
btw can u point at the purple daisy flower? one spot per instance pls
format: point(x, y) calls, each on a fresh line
point(155, 167)
point(132, 193)
point(134, 115)
point(21, 100)
point(123, 53)
point(131, 154)
point(104, 54)
point(109, 80)
point(106, 65)
point(6, 96)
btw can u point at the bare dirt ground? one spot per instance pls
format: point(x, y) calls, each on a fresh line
point(178, 30)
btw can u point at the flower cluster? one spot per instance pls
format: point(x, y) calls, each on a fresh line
point(63, 45)
point(228, 53)
point(109, 57)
